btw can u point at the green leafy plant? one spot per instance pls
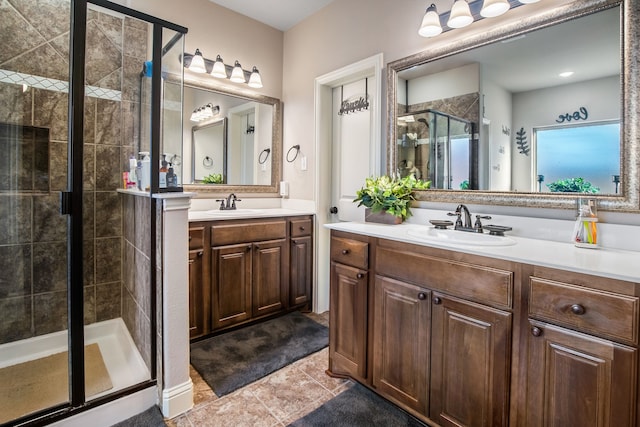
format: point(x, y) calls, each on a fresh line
point(572, 185)
point(214, 178)
point(391, 195)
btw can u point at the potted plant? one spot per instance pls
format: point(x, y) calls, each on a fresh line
point(572, 185)
point(388, 199)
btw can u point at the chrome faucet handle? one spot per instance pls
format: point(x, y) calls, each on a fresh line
point(458, 219)
point(222, 207)
point(478, 225)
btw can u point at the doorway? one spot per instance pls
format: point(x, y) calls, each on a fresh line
point(325, 179)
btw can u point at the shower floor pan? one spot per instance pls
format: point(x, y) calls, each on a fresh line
point(121, 357)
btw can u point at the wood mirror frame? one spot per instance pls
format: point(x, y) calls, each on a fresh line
point(629, 197)
point(209, 84)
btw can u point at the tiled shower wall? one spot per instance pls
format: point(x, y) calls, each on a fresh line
point(33, 257)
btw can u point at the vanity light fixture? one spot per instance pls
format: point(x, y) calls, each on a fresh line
point(463, 13)
point(197, 63)
point(218, 70)
point(460, 15)
point(205, 112)
point(431, 26)
point(493, 8)
point(237, 75)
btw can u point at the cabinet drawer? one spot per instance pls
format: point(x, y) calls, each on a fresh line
point(592, 311)
point(300, 227)
point(350, 252)
point(474, 282)
point(250, 231)
point(196, 238)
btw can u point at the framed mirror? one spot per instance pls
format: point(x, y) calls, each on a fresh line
point(528, 130)
point(240, 139)
point(209, 152)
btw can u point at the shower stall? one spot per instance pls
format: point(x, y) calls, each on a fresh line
point(438, 147)
point(78, 261)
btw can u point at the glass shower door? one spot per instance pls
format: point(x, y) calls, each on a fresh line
point(34, 80)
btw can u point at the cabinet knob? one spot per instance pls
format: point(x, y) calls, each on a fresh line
point(536, 332)
point(422, 296)
point(190, 237)
point(301, 228)
point(248, 249)
point(578, 309)
point(200, 253)
point(437, 300)
point(359, 275)
point(345, 251)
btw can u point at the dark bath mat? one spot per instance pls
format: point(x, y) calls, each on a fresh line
point(152, 417)
point(358, 407)
point(229, 361)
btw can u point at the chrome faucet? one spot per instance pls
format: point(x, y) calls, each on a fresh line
point(230, 202)
point(467, 225)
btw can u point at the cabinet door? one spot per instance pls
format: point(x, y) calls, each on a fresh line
point(269, 279)
point(401, 336)
point(231, 284)
point(348, 321)
point(196, 301)
point(470, 363)
point(579, 380)
point(300, 271)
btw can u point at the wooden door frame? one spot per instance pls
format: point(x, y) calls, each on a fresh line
point(372, 68)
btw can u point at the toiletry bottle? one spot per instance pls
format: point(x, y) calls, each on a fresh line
point(172, 178)
point(133, 180)
point(163, 172)
point(585, 230)
point(145, 179)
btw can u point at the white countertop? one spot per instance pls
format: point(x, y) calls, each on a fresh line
point(244, 214)
point(612, 263)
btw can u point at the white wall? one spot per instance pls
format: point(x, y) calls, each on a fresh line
point(541, 108)
point(447, 84)
point(496, 144)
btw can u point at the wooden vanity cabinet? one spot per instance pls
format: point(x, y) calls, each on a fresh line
point(301, 266)
point(242, 270)
point(348, 301)
point(582, 351)
point(196, 276)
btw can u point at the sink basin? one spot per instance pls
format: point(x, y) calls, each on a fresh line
point(454, 237)
point(234, 212)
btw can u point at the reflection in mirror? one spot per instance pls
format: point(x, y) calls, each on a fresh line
point(209, 152)
point(251, 123)
point(436, 147)
point(516, 88)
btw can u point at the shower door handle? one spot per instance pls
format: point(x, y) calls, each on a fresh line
point(65, 203)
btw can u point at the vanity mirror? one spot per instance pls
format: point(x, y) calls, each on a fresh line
point(241, 141)
point(504, 82)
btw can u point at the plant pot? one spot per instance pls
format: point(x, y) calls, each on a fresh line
point(381, 217)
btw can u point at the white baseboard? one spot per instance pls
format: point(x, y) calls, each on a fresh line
point(177, 400)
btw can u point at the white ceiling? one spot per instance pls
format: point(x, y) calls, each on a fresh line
point(280, 14)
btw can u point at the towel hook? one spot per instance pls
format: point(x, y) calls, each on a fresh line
point(295, 147)
point(265, 151)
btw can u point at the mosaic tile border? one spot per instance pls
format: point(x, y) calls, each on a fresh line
point(14, 77)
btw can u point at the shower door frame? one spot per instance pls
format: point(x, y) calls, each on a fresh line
point(71, 204)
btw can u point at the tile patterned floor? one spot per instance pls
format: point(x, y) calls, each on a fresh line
point(276, 400)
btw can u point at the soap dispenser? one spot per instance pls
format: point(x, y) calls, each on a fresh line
point(585, 230)
point(145, 171)
point(163, 172)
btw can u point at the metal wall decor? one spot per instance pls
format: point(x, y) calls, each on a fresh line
point(521, 142)
point(353, 105)
point(581, 114)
